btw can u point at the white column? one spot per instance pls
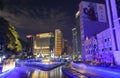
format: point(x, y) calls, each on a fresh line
point(115, 28)
point(116, 23)
point(110, 24)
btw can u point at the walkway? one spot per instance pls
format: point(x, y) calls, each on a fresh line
point(102, 72)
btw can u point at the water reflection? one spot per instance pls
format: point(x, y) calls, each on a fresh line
point(55, 73)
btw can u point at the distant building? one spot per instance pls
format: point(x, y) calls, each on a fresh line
point(79, 43)
point(75, 47)
point(29, 46)
point(65, 48)
point(52, 45)
point(48, 44)
point(58, 42)
point(70, 51)
point(44, 44)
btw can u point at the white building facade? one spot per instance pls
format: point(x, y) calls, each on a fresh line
point(105, 50)
point(114, 25)
point(90, 48)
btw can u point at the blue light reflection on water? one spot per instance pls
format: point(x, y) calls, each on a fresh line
point(4, 73)
point(16, 72)
point(30, 72)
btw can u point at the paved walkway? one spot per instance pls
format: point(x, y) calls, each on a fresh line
point(106, 66)
point(76, 73)
point(102, 72)
point(71, 73)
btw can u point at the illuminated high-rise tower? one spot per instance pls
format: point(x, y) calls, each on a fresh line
point(58, 42)
point(78, 33)
point(74, 40)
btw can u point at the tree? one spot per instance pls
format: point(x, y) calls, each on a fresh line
point(14, 43)
point(9, 37)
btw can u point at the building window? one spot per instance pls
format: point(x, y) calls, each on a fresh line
point(110, 48)
point(106, 49)
point(108, 39)
point(105, 40)
point(102, 50)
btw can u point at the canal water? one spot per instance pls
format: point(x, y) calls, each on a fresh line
point(30, 72)
point(55, 73)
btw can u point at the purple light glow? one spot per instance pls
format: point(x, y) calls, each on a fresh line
point(100, 71)
point(69, 74)
point(114, 27)
point(2, 74)
point(17, 72)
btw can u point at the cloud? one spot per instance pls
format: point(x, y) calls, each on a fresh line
point(34, 19)
point(29, 19)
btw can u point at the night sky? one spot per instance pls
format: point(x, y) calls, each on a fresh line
point(37, 16)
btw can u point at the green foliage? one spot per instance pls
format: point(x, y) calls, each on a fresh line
point(14, 43)
point(9, 38)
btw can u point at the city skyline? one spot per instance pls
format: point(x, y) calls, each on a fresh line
point(27, 16)
point(59, 39)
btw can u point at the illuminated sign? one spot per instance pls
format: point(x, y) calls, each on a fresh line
point(28, 36)
point(43, 35)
